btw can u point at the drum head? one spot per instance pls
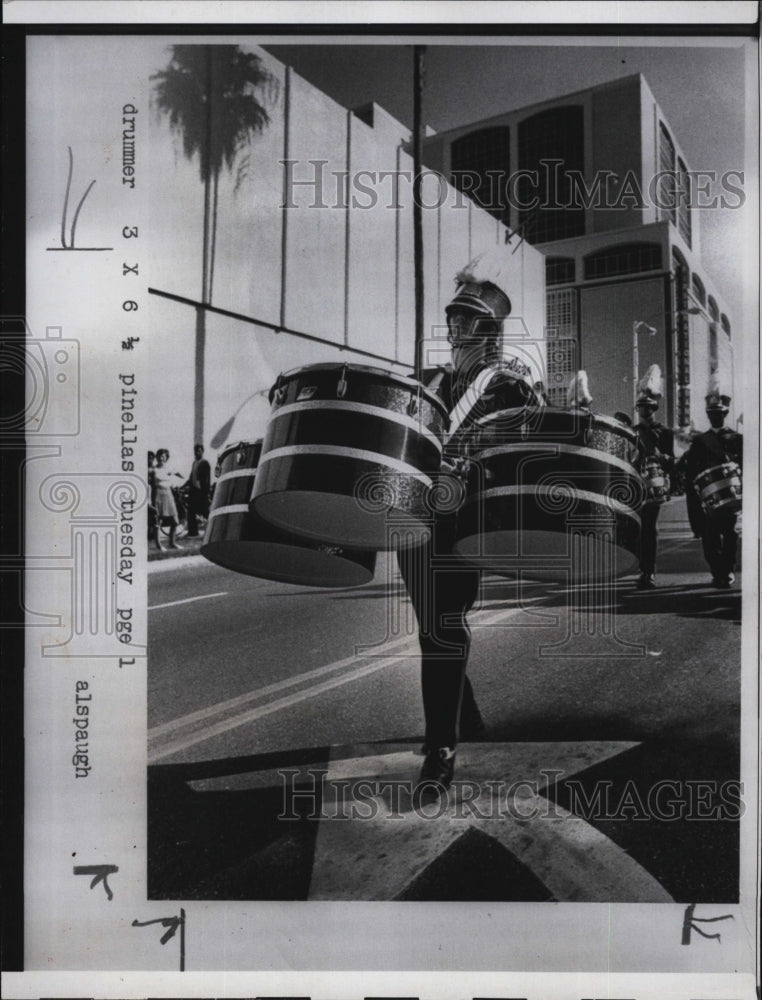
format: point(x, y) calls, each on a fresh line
point(551, 556)
point(293, 563)
point(339, 519)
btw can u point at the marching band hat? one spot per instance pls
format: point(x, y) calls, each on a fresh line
point(650, 388)
point(715, 399)
point(481, 286)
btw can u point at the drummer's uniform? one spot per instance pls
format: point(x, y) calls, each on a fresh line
point(718, 531)
point(441, 589)
point(655, 443)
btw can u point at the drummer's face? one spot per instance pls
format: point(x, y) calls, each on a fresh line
point(467, 341)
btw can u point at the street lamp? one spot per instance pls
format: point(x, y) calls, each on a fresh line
point(636, 327)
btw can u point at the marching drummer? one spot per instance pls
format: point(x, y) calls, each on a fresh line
point(657, 458)
point(716, 447)
point(442, 594)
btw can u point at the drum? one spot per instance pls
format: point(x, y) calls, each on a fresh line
point(238, 539)
point(656, 481)
point(349, 455)
point(552, 492)
point(719, 489)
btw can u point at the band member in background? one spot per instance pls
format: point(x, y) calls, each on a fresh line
point(717, 446)
point(656, 458)
point(442, 596)
point(199, 485)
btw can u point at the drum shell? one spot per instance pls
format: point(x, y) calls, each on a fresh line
point(539, 476)
point(719, 489)
point(237, 539)
point(656, 482)
point(350, 454)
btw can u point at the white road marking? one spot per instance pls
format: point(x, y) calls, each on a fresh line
point(186, 600)
point(235, 712)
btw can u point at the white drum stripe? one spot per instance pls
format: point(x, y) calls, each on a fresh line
point(717, 487)
point(233, 508)
point(336, 451)
point(237, 474)
point(373, 411)
point(614, 505)
point(567, 449)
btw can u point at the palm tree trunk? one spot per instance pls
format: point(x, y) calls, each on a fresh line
point(213, 233)
point(198, 392)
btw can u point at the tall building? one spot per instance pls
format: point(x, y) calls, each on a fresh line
point(597, 181)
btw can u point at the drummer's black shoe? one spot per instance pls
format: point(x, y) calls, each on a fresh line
point(436, 774)
point(646, 581)
point(723, 582)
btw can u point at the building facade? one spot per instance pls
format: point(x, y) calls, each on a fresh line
point(597, 181)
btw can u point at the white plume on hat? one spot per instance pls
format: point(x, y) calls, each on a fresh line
point(578, 393)
point(651, 385)
point(713, 386)
point(493, 265)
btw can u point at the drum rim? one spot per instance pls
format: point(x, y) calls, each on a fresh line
point(595, 418)
point(222, 455)
point(720, 465)
point(405, 381)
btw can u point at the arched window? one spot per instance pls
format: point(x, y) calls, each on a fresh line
point(714, 312)
point(551, 145)
point(627, 258)
point(559, 270)
point(699, 291)
point(480, 167)
point(666, 188)
point(724, 323)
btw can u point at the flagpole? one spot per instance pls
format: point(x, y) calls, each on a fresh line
point(418, 81)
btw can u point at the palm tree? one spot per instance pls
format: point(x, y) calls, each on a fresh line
point(210, 96)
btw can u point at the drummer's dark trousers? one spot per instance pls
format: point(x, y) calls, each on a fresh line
point(648, 537)
point(720, 542)
point(442, 594)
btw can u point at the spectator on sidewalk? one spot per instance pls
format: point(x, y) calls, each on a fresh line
point(199, 486)
point(162, 496)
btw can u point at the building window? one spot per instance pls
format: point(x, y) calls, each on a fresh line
point(725, 324)
point(550, 145)
point(629, 258)
point(562, 342)
point(684, 202)
point(714, 312)
point(697, 287)
point(559, 270)
point(666, 190)
point(480, 167)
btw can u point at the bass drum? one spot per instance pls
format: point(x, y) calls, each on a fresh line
point(719, 489)
point(238, 539)
point(350, 455)
point(552, 493)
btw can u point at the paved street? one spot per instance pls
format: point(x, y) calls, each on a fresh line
point(247, 678)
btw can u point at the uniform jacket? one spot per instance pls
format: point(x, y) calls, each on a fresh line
point(657, 442)
point(713, 448)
